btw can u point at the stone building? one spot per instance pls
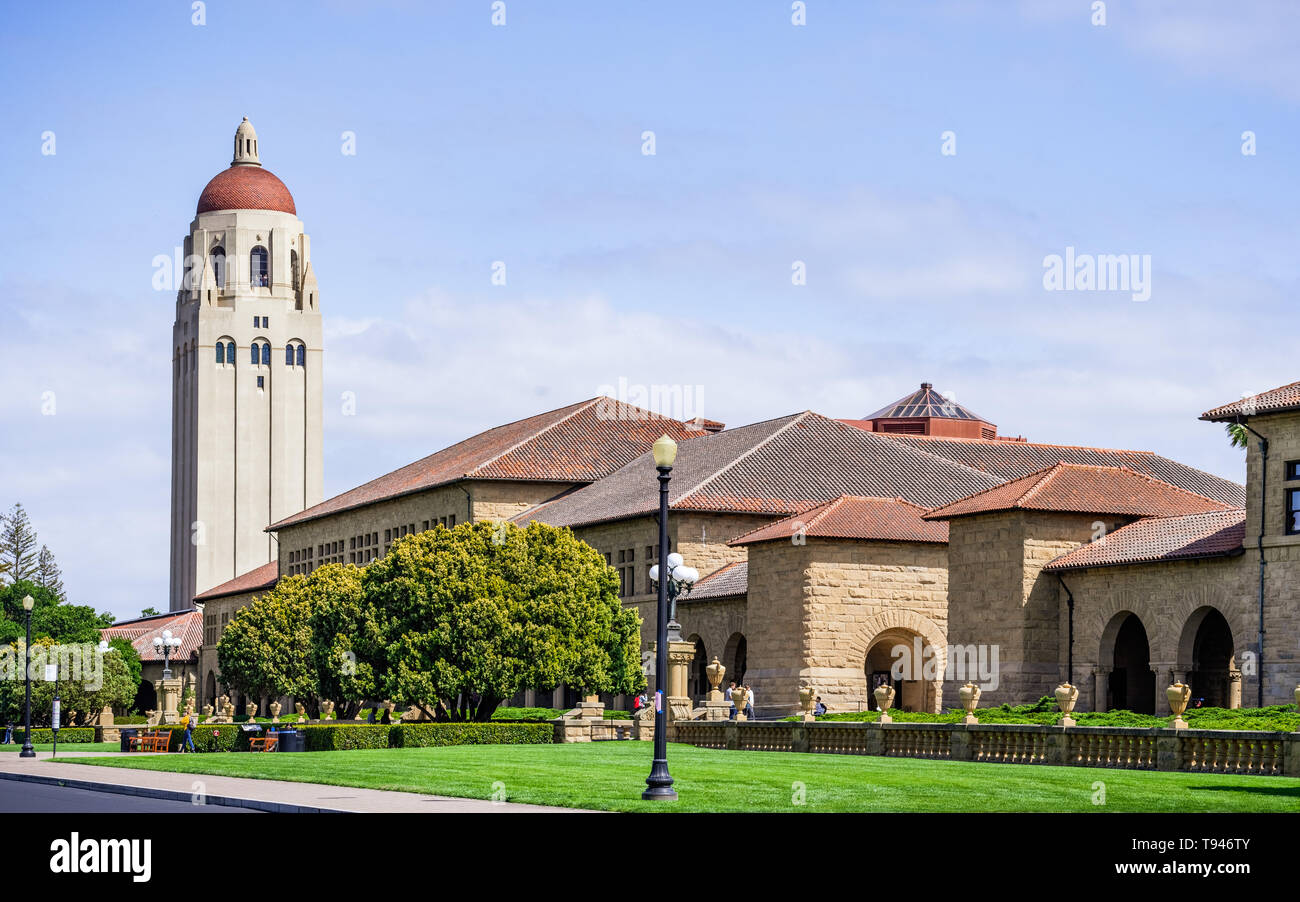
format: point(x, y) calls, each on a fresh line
point(246, 376)
point(184, 660)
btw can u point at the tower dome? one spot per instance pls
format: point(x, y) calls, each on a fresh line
point(246, 185)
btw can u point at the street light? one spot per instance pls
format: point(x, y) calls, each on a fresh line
point(659, 785)
point(28, 751)
point(165, 643)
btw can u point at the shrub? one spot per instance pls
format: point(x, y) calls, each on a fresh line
point(67, 734)
point(424, 735)
point(223, 737)
point(526, 715)
point(341, 737)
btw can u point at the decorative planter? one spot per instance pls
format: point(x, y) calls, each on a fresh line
point(1066, 696)
point(1179, 696)
point(806, 696)
point(884, 701)
point(715, 672)
point(275, 712)
point(970, 699)
point(739, 697)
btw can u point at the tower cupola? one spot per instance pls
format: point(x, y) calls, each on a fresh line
point(245, 145)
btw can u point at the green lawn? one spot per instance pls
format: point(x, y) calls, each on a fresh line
point(610, 776)
point(66, 746)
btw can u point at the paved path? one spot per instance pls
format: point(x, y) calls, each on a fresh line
point(264, 795)
point(35, 798)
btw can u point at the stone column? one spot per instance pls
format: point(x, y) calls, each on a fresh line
point(680, 655)
point(1100, 688)
point(168, 693)
point(1234, 688)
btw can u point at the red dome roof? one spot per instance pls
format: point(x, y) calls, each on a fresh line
point(246, 188)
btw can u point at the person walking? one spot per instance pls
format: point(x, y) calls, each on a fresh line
point(188, 744)
point(749, 703)
point(731, 686)
point(9, 733)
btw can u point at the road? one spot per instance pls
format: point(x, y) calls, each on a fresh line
point(28, 798)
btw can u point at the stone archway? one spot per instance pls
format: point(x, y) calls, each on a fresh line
point(1206, 655)
point(877, 644)
point(1126, 651)
point(209, 691)
point(734, 658)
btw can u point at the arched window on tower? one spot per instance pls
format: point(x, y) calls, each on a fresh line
point(266, 355)
point(293, 268)
point(288, 355)
point(257, 261)
point(218, 259)
point(221, 352)
point(230, 353)
point(302, 355)
point(254, 353)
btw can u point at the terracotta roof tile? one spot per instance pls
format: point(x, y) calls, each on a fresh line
point(854, 517)
point(263, 577)
point(187, 625)
point(579, 443)
point(1010, 460)
point(246, 188)
point(1275, 400)
point(1210, 534)
point(730, 581)
point(1084, 489)
point(778, 467)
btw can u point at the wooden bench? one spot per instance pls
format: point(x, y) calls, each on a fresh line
point(151, 741)
point(263, 743)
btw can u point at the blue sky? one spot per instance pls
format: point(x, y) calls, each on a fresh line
point(775, 143)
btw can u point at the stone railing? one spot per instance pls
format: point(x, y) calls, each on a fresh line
point(1137, 748)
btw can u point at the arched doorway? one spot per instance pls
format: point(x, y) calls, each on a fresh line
point(698, 684)
point(1132, 685)
point(1212, 660)
point(209, 690)
point(912, 692)
point(734, 659)
point(146, 699)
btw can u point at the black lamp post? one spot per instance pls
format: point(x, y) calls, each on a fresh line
point(28, 751)
point(676, 578)
point(165, 643)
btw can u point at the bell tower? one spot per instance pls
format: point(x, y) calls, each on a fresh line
point(246, 377)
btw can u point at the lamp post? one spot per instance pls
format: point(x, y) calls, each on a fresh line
point(659, 785)
point(165, 643)
point(28, 751)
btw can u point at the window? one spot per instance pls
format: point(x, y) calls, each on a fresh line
point(451, 521)
point(230, 352)
point(1292, 512)
point(221, 352)
point(257, 264)
point(266, 355)
point(302, 355)
point(261, 382)
point(217, 257)
point(253, 353)
point(288, 355)
point(1292, 470)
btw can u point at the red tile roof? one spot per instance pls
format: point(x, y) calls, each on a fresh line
point(246, 188)
point(264, 577)
point(1084, 489)
point(576, 444)
point(1011, 460)
point(854, 517)
point(778, 467)
point(1211, 534)
point(730, 581)
point(1275, 400)
point(187, 625)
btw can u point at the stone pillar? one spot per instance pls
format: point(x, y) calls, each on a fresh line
point(1234, 688)
point(680, 655)
point(1100, 688)
point(168, 693)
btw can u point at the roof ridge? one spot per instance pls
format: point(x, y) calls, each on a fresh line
point(794, 418)
point(1048, 474)
point(947, 460)
point(578, 408)
point(826, 508)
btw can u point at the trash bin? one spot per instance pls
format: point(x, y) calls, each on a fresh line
point(128, 733)
point(292, 741)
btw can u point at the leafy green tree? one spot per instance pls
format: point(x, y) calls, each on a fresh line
point(150, 611)
point(1238, 437)
point(117, 685)
point(345, 641)
point(266, 647)
point(18, 544)
point(131, 658)
point(471, 615)
point(51, 616)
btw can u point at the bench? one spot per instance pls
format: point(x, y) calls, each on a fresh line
point(263, 743)
point(151, 741)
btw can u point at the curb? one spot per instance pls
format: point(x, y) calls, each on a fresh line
point(173, 795)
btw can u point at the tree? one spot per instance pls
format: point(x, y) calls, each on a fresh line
point(266, 647)
point(1238, 437)
point(48, 575)
point(116, 686)
point(471, 615)
point(51, 616)
point(345, 641)
point(18, 544)
point(150, 611)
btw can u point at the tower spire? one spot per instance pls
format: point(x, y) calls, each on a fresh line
point(245, 145)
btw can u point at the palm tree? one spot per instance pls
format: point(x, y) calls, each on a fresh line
point(1237, 435)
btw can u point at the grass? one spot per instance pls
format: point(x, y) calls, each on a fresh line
point(611, 775)
point(66, 746)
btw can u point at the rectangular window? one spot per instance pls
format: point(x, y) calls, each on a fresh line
point(1292, 470)
point(451, 521)
point(1292, 512)
point(261, 382)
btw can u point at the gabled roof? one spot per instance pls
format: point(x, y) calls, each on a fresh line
point(1011, 460)
point(579, 443)
point(263, 577)
point(1276, 400)
point(853, 517)
point(925, 402)
point(1075, 488)
point(778, 467)
point(1211, 534)
point(187, 625)
point(729, 581)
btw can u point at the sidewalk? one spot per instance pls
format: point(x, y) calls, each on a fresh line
point(264, 795)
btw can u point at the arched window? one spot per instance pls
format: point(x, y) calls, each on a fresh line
point(302, 355)
point(221, 352)
point(266, 355)
point(288, 355)
point(253, 350)
point(257, 262)
point(230, 353)
point(293, 268)
point(217, 256)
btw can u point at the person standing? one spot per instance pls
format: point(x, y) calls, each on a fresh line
point(731, 686)
point(9, 733)
point(749, 703)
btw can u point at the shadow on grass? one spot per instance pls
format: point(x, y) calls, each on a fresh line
point(1284, 791)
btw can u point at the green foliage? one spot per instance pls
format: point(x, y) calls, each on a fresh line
point(18, 545)
point(1238, 437)
point(423, 735)
point(345, 640)
point(471, 615)
point(150, 611)
point(342, 737)
point(130, 657)
point(52, 617)
point(67, 734)
point(48, 575)
point(117, 686)
point(526, 715)
point(211, 738)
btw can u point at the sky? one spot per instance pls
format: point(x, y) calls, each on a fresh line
point(917, 163)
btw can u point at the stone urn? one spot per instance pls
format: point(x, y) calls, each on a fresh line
point(970, 699)
point(252, 711)
point(300, 710)
point(884, 701)
point(806, 696)
point(228, 712)
point(275, 711)
point(207, 712)
point(739, 697)
point(1066, 696)
point(715, 672)
point(1179, 696)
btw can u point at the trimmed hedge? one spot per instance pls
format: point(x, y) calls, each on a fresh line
point(527, 715)
point(425, 735)
point(67, 734)
point(211, 738)
point(343, 737)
